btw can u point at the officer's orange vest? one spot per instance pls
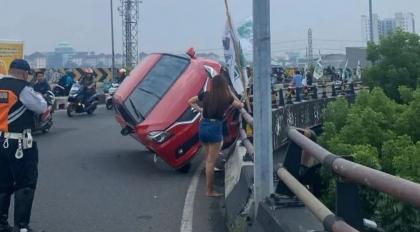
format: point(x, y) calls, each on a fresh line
point(14, 116)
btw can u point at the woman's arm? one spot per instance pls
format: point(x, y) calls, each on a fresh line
point(236, 102)
point(193, 103)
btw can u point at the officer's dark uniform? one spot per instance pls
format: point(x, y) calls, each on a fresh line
point(18, 161)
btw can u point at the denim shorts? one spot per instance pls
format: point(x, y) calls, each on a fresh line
point(211, 131)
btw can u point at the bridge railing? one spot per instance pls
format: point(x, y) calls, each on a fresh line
point(285, 94)
point(349, 172)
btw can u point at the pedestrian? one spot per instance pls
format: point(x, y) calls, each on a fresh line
point(215, 102)
point(309, 78)
point(41, 85)
point(18, 152)
point(298, 83)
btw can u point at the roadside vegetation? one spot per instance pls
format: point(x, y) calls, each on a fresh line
point(381, 129)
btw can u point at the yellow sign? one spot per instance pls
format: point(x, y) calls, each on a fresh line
point(9, 50)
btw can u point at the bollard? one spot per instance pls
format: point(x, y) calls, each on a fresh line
point(314, 92)
point(281, 97)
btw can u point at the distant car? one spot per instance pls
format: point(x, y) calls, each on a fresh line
point(152, 105)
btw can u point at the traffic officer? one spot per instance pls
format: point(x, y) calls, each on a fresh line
point(18, 152)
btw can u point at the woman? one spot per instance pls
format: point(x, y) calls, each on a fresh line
point(215, 103)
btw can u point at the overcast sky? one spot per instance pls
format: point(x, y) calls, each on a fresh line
point(175, 25)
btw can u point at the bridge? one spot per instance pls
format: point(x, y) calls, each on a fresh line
point(294, 206)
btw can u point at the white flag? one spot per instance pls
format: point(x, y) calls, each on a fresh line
point(359, 70)
point(319, 68)
point(230, 58)
point(343, 74)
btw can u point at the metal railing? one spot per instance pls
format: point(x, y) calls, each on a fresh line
point(284, 94)
point(399, 188)
point(352, 173)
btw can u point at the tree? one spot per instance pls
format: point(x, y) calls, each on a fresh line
point(381, 134)
point(396, 62)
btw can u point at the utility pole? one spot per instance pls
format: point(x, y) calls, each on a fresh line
point(371, 21)
point(263, 140)
point(112, 41)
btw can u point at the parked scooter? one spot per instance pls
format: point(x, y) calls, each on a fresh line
point(77, 102)
point(111, 91)
point(44, 122)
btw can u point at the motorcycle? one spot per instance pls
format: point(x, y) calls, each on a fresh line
point(77, 102)
point(44, 122)
point(111, 92)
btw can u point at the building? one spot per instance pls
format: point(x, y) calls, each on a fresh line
point(405, 21)
point(65, 51)
point(366, 28)
point(356, 55)
point(37, 60)
point(387, 26)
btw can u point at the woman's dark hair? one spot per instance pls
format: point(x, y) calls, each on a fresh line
point(218, 99)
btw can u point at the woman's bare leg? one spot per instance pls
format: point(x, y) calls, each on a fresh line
point(214, 150)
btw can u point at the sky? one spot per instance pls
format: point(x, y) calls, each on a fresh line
point(175, 25)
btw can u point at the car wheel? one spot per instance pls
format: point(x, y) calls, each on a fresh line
point(185, 169)
point(70, 111)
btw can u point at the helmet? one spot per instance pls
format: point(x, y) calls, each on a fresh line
point(122, 71)
point(88, 71)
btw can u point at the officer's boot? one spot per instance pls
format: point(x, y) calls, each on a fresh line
point(23, 206)
point(4, 212)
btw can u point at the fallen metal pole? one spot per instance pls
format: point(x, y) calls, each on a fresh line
point(399, 188)
point(330, 221)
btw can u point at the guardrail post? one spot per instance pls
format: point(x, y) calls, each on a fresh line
point(324, 91)
point(289, 96)
point(292, 164)
point(314, 92)
point(334, 93)
point(281, 97)
point(348, 205)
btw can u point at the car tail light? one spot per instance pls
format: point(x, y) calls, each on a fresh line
point(159, 136)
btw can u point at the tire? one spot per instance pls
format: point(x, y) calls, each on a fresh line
point(70, 111)
point(109, 106)
point(90, 112)
point(184, 169)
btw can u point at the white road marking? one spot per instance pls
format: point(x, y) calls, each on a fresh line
point(188, 212)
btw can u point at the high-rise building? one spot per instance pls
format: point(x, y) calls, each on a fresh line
point(366, 28)
point(405, 21)
point(387, 26)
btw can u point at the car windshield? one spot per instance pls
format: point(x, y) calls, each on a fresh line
point(154, 86)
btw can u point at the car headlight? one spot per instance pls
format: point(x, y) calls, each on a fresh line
point(159, 136)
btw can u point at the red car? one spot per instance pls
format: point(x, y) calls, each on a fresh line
point(152, 106)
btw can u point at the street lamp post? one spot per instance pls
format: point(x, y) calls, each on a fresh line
point(263, 140)
point(371, 21)
point(112, 41)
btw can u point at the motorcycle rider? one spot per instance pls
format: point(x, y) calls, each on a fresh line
point(88, 84)
point(41, 85)
point(18, 152)
point(66, 81)
point(123, 74)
